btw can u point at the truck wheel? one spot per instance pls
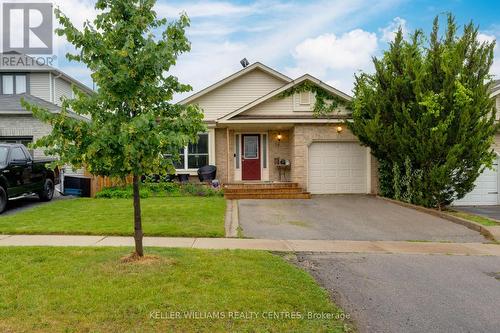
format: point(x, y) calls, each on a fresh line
point(3, 199)
point(48, 190)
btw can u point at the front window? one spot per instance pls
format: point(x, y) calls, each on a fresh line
point(195, 155)
point(14, 84)
point(198, 153)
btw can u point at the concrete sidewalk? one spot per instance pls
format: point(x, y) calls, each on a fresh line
point(327, 246)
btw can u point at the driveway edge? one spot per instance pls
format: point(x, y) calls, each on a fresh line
point(483, 230)
point(231, 222)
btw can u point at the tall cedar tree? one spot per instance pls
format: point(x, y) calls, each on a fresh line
point(131, 122)
point(427, 116)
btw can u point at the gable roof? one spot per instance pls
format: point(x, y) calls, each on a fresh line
point(278, 91)
point(11, 105)
point(236, 75)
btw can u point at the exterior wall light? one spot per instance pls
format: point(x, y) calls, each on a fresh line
point(279, 137)
point(339, 129)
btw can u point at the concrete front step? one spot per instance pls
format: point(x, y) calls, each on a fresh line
point(261, 195)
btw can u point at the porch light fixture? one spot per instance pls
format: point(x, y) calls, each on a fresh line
point(279, 137)
point(339, 129)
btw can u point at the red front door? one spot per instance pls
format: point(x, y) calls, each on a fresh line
point(250, 159)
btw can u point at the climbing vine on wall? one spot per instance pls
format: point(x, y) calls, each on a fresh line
point(326, 105)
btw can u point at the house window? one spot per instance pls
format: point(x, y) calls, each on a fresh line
point(195, 155)
point(14, 84)
point(305, 98)
point(8, 84)
point(20, 84)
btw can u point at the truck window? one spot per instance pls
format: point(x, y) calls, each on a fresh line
point(3, 155)
point(17, 154)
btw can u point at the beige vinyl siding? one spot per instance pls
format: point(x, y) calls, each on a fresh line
point(498, 107)
point(39, 85)
point(288, 106)
point(62, 88)
point(237, 93)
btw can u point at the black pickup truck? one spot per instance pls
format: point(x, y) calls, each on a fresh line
point(21, 175)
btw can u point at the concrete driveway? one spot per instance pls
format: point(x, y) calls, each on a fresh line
point(346, 217)
point(412, 293)
point(492, 212)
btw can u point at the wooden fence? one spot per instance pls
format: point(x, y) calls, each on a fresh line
point(97, 183)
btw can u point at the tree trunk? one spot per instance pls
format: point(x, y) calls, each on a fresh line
point(137, 219)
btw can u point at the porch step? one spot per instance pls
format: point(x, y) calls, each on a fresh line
point(259, 185)
point(265, 191)
point(260, 195)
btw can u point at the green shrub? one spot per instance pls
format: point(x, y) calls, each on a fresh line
point(161, 189)
point(122, 192)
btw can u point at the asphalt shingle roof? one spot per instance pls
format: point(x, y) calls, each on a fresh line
point(13, 103)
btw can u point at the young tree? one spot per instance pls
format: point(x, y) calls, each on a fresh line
point(131, 122)
point(426, 114)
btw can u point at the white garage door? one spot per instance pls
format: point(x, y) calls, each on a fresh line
point(486, 190)
point(337, 167)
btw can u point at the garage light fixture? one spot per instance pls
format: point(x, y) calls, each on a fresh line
point(339, 129)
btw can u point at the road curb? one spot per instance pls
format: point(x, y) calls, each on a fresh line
point(466, 223)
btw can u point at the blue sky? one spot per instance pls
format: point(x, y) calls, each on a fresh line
point(328, 39)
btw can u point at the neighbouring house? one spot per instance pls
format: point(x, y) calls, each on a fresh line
point(257, 135)
point(487, 187)
point(21, 77)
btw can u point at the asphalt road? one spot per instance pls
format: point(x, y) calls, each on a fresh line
point(412, 293)
point(346, 217)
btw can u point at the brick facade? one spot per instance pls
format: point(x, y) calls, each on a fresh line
point(24, 126)
point(293, 146)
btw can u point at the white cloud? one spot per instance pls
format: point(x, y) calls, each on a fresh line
point(482, 37)
point(352, 50)
point(491, 37)
point(335, 59)
point(389, 32)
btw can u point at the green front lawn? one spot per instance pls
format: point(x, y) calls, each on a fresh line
point(92, 290)
point(179, 216)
